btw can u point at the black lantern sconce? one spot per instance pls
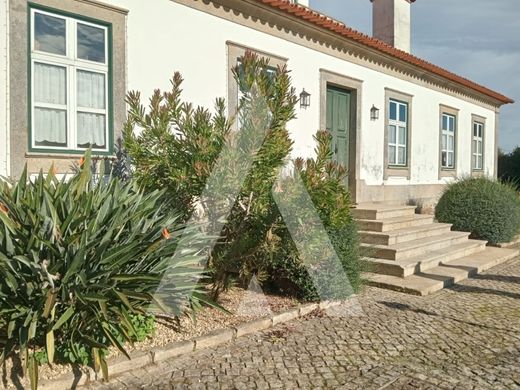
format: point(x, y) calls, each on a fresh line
point(374, 113)
point(305, 99)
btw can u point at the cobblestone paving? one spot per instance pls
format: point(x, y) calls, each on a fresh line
point(466, 337)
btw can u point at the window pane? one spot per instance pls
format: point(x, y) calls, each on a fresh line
point(450, 160)
point(475, 130)
point(91, 130)
point(401, 156)
point(444, 122)
point(91, 43)
point(50, 84)
point(393, 110)
point(474, 162)
point(451, 145)
point(49, 34)
point(391, 135)
point(444, 141)
point(452, 124)
point(481, 131)
point(50, 127)
point(402, 112)
point(474, 146)
point(391, 155)
point(402, 135)
point(444, 159)
point(479, 149)
point(91, 89)
point(480, 161)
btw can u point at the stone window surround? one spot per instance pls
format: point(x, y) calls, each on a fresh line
point(115, 17)
point(398, 171)
point(355, 86)
point(482, 120)
point(448, 172)
point(234, 51)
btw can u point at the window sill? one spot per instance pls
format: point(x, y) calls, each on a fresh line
point(397, 171)
point(448, 172)
point(67, 155)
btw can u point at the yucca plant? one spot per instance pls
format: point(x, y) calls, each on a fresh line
point(79, 258)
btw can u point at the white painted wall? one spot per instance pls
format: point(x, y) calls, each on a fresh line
point(4, 109)
point(167, 36)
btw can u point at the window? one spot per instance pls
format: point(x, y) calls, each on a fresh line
point(477, 147)
point(69, 83)
point(448, 127)
point(398, 133)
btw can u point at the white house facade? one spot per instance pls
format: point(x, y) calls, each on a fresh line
point(402, 126)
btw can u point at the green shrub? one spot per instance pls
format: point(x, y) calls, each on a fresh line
point(324, 181)
point(80, 264)
point(490, 210)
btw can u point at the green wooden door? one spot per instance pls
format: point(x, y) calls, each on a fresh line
point(338, 123)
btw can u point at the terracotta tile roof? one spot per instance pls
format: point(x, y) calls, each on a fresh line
point(325, 22)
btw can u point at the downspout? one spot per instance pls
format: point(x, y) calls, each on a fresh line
point(5, 92)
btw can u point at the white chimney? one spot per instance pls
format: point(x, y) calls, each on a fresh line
point(391, 22)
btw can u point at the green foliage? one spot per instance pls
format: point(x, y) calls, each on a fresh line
point(177, 145)
point(324, 181)
point(81, 260)
point(490, 210)
point(509, 167)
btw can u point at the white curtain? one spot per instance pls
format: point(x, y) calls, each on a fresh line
point(91, 90)
point(91, 94)
point(50, 125)
point(91, 129)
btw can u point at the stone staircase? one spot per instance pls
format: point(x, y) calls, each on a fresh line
point(412, 253)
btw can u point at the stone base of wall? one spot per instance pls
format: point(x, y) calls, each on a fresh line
point(424, 196)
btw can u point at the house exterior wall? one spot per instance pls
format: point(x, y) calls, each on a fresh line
point(193, 37)
point(205, 70)
point(4, 113)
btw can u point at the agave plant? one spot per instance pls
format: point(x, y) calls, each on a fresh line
point(79, 257)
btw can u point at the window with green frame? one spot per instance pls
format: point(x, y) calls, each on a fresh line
point(69, 59)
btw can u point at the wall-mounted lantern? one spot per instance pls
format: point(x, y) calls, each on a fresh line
point(374, 113)
point(305, 99)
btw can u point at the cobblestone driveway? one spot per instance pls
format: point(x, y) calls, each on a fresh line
point(467, 337)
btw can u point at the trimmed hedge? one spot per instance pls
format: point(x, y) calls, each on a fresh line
point(490, 210)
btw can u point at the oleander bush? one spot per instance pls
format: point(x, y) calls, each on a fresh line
point(81, 262)
point(317, 189)
point(509, 167)
point(489, 209)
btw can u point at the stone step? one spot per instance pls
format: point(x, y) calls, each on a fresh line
point(444, 275)
point(396, 223)
point(417, 247)
point(426, 261)
point(377, 211)
point(403, 235)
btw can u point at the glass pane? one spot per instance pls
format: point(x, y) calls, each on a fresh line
point(451, 143)
point(444, 122)
point(481, 131)
point(402, 112)
point(401, 158)
point(444, 159)
point(474, 162)
point(49, 34)
point(402, 135)
point(474, 146)
point(50, 127)
point(450, 160)
point(391, 135)
point(479, 149)
point(480, 161)
point(50, 84)
point(91, 43)
point(444, 141)
point(452, 123)
point(91, 130)
point(393, 111)
point(475, 130)
point(391, 155)
point(91, 89)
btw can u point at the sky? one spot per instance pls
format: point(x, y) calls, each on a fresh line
point(477, 39)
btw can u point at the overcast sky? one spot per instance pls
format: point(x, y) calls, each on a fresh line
point(478, 39)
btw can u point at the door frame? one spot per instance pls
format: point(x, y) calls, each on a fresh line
point(355, 87)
